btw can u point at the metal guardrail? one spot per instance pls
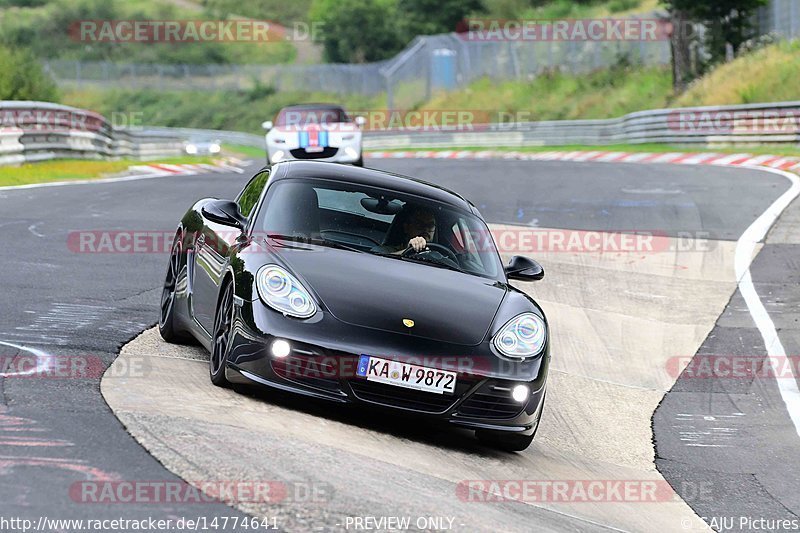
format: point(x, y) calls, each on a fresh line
point(711, 126)
point(717, 126)
point(227, 137)
point(37, 131)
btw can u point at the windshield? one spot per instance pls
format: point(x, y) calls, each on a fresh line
point(379, 222)
point(304, 116)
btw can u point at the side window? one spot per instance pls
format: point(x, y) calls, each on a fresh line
point(252, 192)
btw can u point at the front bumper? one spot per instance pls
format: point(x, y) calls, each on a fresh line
point(325, 369)
point(330, 154)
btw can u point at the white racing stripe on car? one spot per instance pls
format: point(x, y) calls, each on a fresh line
point(744, 256)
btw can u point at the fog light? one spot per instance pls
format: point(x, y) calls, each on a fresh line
point(351, 152)
point(520, 393)
point(280, 348)
point(277, 156)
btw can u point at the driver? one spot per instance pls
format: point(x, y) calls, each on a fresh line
point(419, 227)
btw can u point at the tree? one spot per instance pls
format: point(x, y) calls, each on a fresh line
point(727, 23)
point(357, 31)
point(428, 17)
point(22, 78)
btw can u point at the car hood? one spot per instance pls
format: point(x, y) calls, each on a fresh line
point(379, 292)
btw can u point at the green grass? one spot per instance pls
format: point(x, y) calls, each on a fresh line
point(766, 75)
point(556, 96)
point(242, 110)
point(76, 169)
point(511, 9)
point(656, 148)
point(240, 150)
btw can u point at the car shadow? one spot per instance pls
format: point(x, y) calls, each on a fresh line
point(399, 424)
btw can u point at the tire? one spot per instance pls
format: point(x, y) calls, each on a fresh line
point(166, 320)
point(220, 341)
point(359, 162)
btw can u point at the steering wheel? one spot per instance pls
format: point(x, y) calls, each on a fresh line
point(438, 247)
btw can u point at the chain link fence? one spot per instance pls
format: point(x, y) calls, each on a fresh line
point(781, 17)
point(428, 64)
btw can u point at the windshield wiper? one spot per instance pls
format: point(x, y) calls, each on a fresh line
point(313, 240)
point(433, 263)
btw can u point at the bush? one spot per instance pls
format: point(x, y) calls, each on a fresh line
point(356, 31)
point(22, 77)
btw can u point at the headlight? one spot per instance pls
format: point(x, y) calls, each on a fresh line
point(522, 336)
point(214, 148)
point(191, 149)
point(281, 291)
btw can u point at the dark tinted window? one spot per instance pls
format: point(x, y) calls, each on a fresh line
point(304, 116)
point(329, 212)
point(252, 192)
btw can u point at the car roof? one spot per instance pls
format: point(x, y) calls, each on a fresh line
point(371, 177)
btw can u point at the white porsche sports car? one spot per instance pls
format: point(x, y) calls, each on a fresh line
point(322, 132)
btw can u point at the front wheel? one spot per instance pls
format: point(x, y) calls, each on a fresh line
point(223, 324)
point(359, 162)
point(167, 319)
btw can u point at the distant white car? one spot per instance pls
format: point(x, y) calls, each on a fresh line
point(202, 147)
point(322, 132)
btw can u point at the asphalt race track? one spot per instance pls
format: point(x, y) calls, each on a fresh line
point(620, 322)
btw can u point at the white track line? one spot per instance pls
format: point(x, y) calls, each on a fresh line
point(787, 385)
point(44, 361)
point(86, 182)
point(154, 173)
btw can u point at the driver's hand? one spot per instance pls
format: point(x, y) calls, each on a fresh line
point(417, 243)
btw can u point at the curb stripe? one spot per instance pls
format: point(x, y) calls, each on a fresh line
point(681, 158)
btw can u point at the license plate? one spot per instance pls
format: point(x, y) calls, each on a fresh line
point(314, 149)
point(406, 375)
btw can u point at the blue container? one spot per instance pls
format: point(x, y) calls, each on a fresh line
point(443, 69)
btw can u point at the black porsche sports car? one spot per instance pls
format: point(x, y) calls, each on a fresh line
point(308, 282)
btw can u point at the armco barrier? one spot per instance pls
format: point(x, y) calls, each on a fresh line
point(227, 137)
point(37, 131)
point(713, 127)
point(33, 131)
point(739, 125)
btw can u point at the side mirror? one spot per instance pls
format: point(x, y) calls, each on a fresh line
point(524, 269)
point(224, 212)
point(267, 125)
point(360, 121)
